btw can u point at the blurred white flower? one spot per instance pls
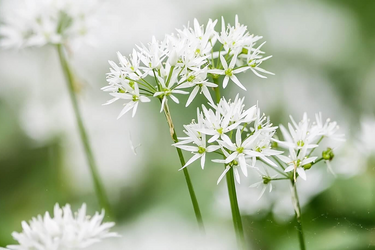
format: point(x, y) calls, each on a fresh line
point(64, 231)
point(41, 22)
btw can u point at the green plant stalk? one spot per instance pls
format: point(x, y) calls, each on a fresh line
point(99, 188)
point(193, 197)
point(297, 210)
point(236, 215)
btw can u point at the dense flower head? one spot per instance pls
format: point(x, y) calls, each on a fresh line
point(64, 231)
point(232, 131)
point(187, 63)
point(41, 22)
point(301, 141)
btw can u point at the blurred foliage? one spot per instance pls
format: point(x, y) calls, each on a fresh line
point(33, 177)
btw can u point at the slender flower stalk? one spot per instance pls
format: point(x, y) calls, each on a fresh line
point(297, 209)
point(189, 184)
point(99, 188)
point(236, 215)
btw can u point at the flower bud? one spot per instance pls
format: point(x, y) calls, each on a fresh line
point(328, 154)
point(307, 166)
point(266, 179)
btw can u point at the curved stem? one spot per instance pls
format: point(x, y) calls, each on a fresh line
point(193, 198)
point(231, 185)
point(297, 209)
point(99, 188)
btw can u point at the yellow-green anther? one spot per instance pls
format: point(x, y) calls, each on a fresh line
point(298, 162)
point(220, 130)
point(191, 78)
point(198, 51)
point(135, 98)
point(201, 150)
point(131, 84)
point(245, 51)
point(300, 143)
point(120, 90)
point(258, 149)
point(228, 72)
point(259, 126)
point(239, 150)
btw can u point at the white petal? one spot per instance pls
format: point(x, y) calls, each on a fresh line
point(290, 168)
point(223, 174)
point(236, 175)
point(192, 159)
point(301, 172)
point(192, 95)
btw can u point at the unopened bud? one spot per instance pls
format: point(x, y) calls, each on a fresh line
point(328, 154)
point(307, 166)
point(266, 179)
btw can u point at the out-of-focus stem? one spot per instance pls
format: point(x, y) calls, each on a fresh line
point(99, 188)
point(297, 210)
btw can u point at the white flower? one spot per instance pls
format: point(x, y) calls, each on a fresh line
point(264, 183)
point(327, 129)
point(199, 150)
point(198, 80)
point(62, 232)
point(42, 22)
point(253, 59)
point(229, 71)
point(240, 149)
point(166, 88)
point(133, 97)
point(297, 161)
point(300, 135)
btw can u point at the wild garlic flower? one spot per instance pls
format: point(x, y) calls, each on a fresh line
point(186, 60)
point(265, 183)
point(233, 135)
point(302, 140)
point(41, 22)
point(64, 231)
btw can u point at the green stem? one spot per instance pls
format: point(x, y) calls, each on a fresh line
point(99, 188)
point(186, 172)
point(297, 209)
point(236, 215)
point(312, 150)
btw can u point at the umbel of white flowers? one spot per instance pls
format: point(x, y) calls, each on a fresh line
point(243, 136)
point(184, 61)
point(62, 232)
point(41, 22)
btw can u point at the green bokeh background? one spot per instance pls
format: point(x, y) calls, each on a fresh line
point(34, 176)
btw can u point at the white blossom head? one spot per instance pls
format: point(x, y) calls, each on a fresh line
point(40, 22)
point(63, 231)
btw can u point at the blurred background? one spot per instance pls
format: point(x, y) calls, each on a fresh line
point(323, 60)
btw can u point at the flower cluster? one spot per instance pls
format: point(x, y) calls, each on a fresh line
point(240, 135)
point(301, 141)
point(41, 22)
point(243, 136)
point(64, 231)
point(184, 60)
